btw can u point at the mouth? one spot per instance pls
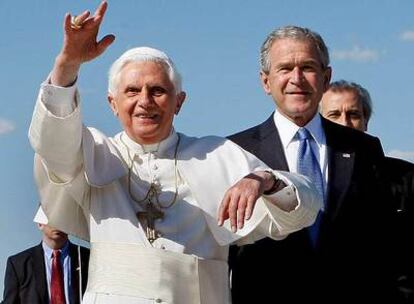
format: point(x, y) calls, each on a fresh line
point(303, 93)
point(145, 116)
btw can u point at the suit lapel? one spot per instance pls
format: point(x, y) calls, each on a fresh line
point(73, 253)
point(269, 146)
point(39, 273)
point(341, 166)
point(340, 158)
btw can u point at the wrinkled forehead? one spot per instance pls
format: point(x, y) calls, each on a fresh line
point(341, 99)
point(297, 44)
point(288, 49)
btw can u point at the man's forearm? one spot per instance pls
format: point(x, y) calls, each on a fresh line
point(64, 73)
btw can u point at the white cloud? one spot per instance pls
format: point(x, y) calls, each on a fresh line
point(407, 155)
point(6, 126)
point(356, 54)
point(407, 36)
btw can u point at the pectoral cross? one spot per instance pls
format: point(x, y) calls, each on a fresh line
point(150, 214)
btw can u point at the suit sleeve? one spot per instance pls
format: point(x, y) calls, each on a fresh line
point(11, 285)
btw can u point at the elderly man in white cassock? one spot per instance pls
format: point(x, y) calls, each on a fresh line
point(159, 208)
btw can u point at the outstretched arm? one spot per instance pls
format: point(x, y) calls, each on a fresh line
point(79, 45)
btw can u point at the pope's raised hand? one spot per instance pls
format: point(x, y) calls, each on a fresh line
point(80, 44)
point(239, 201)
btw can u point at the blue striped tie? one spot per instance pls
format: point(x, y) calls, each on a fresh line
point(308, 165)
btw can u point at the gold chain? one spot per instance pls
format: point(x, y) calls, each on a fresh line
point(152, 192)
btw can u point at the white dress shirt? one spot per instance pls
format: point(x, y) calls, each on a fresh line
point(64, 256)
point(287, 132)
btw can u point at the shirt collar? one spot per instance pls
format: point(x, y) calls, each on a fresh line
point(316, 130)
point(64, 251)
point(288, 129)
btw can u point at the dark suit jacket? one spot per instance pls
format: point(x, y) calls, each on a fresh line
point(348, 261)
point(400, 175)
point(25, 278)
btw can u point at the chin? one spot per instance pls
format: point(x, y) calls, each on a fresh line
point(143, 133)
point(149, 134)
point(147, 139)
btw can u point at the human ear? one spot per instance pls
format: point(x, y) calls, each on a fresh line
point(264, 77)
point(327, 78)
point(180, 100)
point(112, 104)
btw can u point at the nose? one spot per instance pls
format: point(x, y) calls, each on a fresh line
point(144, 98)
point(297, 75)
point(345, 120)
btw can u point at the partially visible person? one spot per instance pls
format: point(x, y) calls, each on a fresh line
point(349, 104)
point(159, 208)
point(30, 278)
point(340, 257)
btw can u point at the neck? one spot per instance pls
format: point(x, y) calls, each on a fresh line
point(55, 244)
point(301, 121)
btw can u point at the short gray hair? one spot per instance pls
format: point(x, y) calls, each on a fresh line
point(140, 54)
point(295, 33)
point(362, 94)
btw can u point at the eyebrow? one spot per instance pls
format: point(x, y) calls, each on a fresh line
point(333, 111)
point(300, 64)
point(131, 86)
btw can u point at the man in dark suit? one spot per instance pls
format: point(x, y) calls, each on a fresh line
point(349, 104)
point(28, 273)
point(346, 261)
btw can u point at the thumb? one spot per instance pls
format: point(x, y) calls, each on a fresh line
point(103, 44)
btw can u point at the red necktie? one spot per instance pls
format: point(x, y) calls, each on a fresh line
point(57, 290)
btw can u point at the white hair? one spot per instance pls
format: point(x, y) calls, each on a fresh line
point(295, 33)
point(140, 54)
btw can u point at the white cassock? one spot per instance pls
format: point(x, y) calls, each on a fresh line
point(82, 177)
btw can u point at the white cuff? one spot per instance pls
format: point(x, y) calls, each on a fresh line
point(60, 101)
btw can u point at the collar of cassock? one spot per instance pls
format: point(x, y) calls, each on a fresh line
point(164, 148)
point(106, 163)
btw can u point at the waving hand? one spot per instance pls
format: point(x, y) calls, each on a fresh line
point(80, 44)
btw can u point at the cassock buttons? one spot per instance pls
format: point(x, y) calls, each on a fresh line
point(138, 159)
point(158, 300)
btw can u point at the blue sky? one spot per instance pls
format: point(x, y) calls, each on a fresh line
point(215, 46)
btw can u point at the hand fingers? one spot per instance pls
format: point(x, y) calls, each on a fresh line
point(238, 204)
point(223, 213)
point(100, 11)
point(80, 19)
point(67, 22)
point(233, 206)
point(83, 19)
point(249, 208)
point(241, 209)
point(104, 43)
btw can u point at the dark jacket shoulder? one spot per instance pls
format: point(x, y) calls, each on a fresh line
point(26, 254)
point(346, 138)
point(258, 139)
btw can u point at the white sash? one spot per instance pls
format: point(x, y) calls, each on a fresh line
point(130, 273)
